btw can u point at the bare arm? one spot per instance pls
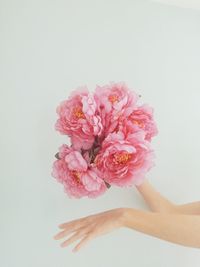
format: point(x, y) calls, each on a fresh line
point(189, 208)
point(159, 203)
point(177, 228)
point(181, 229)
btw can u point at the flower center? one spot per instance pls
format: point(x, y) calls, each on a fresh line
point(113, 98)
point(140, 124)
point(76, 176)
point(121, 158)
point(78, 113)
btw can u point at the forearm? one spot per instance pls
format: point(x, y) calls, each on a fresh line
point(159, 203)
point(155, 201)
point(189, 208)
point(181, 229)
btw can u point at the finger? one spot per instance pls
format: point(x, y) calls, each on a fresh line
point(59, 235)
point(66, 232)
point(71, 223)
point(73, 238)
point(83, 242)
point(80, 220)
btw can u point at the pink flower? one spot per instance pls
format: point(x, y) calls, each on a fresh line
point(64, 150)
point(110, 140)
point(78, 118)
point(142, 117)
point(114, 101)
point(73, 172)
point(60, 170)
point(93, 183)
point(124, 160)
point(75, 161)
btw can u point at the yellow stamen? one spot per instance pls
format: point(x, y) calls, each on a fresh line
point(78, 113)
point(76, 175)
point(140, 124)
point(122, 158)
point(113, 98)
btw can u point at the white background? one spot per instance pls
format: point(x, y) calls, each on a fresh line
point(48, 48)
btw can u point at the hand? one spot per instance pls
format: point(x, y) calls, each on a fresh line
point(87, 228)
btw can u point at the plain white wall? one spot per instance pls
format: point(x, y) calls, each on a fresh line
point(48, 48)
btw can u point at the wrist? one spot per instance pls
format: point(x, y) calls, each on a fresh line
point(125, 215)
point(142, 184)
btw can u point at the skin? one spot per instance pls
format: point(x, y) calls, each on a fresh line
point(179, 224)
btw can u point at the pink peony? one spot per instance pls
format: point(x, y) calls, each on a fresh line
point(110, 140)
point(114, 101)
point(73, 172)
point(64, 150)
point(60, 170)
point(78, 119)
point(142, 117)
point(93, 183)
point(124, 159)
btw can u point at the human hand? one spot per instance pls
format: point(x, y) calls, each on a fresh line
point(89, 227)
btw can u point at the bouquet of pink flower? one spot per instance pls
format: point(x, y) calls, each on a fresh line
point(110, 138)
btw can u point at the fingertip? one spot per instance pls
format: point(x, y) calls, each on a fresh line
point(75, 250)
